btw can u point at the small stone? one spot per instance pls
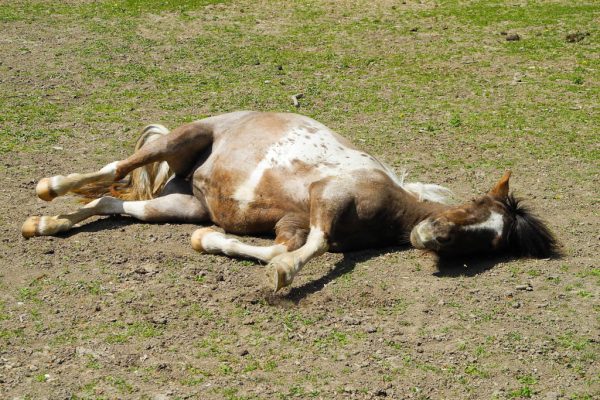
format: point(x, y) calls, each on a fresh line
point(575, 37)
point(98, 308)
point(371, 329)
point(243, 352)
point(219, 278)
point(381, 393)
point(248, 321)
point(350, 321)
point(513, 37)
point(517, 78)
point(516, 304)
point(523, 287)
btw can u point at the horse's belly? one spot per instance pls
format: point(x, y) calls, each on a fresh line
point(278, 193)
point(252, 179)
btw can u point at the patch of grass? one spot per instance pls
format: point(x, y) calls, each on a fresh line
point(523, 392)
point(269, 366)
point(527, 380)
point(141, 330)
point(455, 121)
point(3, 314)
point(475, 370)
point(571, 341)
point(195, 376)
point(120, 384)
point(397, 307)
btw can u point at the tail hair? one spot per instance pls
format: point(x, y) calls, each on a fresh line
point(143, 183)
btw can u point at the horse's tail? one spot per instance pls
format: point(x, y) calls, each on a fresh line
point(143, 183)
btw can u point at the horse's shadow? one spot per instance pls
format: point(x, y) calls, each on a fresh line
point(469, 266)
point(446, 268)
point(101, 224)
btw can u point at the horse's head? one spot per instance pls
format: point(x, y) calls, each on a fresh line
point(495, 222)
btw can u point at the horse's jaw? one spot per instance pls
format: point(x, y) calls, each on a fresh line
point(422, 236)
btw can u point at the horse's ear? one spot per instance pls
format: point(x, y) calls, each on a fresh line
point(500, 190)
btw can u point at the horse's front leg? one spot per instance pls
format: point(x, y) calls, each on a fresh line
point(283, 268)
point(328, 200)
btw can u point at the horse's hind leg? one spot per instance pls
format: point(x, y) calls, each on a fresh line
point(180, 148)
point(174, 207)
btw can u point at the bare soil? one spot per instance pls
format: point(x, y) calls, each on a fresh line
point(119, 309)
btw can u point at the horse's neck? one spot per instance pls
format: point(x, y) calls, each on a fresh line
point(408, 211)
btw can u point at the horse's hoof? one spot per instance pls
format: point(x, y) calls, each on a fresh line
point(278, 277)
point(44, 190)
point(203, 234)
point(30, 226)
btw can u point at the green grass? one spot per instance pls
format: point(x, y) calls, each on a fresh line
point(131, 72)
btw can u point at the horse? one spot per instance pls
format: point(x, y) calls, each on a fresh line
point(259, 172)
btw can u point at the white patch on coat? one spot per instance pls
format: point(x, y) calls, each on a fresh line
point(42, 227)
point(109, 169)
point(495, 222)
point(135, 209)
point(313, 144)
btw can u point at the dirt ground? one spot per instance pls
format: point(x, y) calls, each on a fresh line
point(119, 309)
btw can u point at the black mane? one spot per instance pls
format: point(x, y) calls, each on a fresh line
point(528, 235)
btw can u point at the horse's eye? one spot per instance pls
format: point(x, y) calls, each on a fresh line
point(444, 239)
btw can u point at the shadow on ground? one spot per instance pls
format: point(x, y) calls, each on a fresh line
point(101, 224)
point(446, 267)
point(469, 266)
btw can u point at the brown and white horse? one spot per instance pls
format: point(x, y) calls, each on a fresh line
point(252, 172)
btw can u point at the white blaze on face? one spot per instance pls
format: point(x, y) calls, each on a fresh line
point(313, 144)
point(495, 223)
